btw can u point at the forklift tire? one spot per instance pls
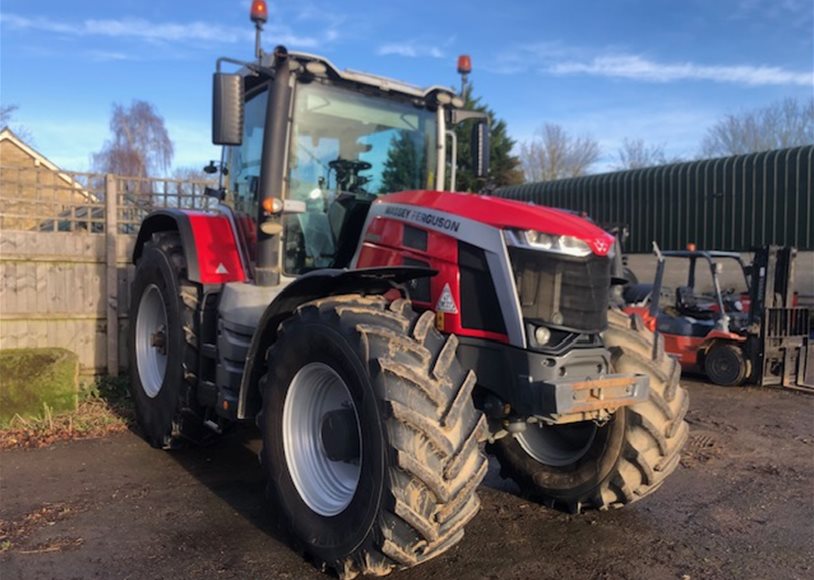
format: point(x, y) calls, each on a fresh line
point(622, 461)
point(724, 364)
point(163, 345)
point(371, 441)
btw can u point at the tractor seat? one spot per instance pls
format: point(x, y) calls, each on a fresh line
point(347, 215)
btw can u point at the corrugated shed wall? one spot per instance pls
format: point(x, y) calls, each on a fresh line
point(732, 203)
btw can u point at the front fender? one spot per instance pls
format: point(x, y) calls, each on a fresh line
point(308, 287)
point(209, 242)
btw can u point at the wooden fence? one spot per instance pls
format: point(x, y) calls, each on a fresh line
point(65, 245)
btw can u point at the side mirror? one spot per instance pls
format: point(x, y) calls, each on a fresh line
point(227, 109)
point(480, 148)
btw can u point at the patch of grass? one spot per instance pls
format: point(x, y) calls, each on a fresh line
point(104, 408)
point(36, 381)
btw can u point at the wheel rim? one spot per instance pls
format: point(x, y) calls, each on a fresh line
point(151, 341)
point(557, 445)
point(327, 486)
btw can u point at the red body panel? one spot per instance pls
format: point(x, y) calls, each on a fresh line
point(685, 348)
point(441, 254)
point(216, 246)
point(505, 213)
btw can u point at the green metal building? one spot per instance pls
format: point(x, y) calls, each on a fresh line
point(731, 203)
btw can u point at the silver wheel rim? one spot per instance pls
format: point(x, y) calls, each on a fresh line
point(326, 486)
point(557, 445)
point(151, 341)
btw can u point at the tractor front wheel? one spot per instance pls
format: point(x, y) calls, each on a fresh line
point(371, 441)
point(585, 466)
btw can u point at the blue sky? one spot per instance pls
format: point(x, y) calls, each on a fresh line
point(657, 70)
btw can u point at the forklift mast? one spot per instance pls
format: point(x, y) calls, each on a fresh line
point(783, 354)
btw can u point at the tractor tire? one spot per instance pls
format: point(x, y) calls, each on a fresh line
point(582, 466)
point(725, 364)
point(163, 344)
point(392, 483)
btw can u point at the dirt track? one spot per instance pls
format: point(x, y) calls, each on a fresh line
point(741, 505)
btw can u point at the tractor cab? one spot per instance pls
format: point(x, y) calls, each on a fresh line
point(309, 147)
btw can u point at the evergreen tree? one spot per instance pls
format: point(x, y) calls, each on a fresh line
point(504, 168)
point(404, 164)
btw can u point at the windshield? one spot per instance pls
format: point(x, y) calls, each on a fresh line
point(346, 148)
point(347, 141)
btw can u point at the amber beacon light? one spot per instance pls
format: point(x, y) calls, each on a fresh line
point(259, 12)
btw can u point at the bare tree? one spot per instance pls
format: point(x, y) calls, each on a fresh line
point(139, 145)
point(785, 123)
point(6, 114)
point(190, 185)
point(637, 154)
point(6, 119)
point(554, 154)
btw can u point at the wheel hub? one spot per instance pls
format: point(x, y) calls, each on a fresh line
point(339, 435)
point(159, 340)
point(151, 341)
point(322, 439)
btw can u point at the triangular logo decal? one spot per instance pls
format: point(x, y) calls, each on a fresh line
point(221, 269)
point(446, 303)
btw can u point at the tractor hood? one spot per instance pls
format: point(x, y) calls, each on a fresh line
point(507, 214)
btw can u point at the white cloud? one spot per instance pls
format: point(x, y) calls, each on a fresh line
point(638, 68)
point(555, 58)
point(411, 49)
point(164, 32)
point(109, 56)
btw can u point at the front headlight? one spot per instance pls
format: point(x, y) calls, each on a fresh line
point(539, 241)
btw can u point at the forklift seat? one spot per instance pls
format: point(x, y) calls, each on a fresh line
point(687, 305)
point(683, 325)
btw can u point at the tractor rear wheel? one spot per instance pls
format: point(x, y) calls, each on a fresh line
point(163, 344)
point(584, 466)
point(725, 364)
point(371, 441)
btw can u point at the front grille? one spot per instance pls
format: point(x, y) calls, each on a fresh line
point(562, 291)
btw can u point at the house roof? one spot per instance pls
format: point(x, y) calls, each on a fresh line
point(7, 134)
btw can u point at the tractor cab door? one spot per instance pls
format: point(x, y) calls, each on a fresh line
point(243, 169)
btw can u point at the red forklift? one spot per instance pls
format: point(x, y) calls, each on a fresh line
point(754, 334)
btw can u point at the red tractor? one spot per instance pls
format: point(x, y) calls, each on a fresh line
point(379, 339)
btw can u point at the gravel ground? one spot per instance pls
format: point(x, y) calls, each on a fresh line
point(741, 505)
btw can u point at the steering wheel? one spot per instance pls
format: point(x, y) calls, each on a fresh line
point(349, 165)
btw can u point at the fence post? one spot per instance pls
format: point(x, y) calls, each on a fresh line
point(111, 274)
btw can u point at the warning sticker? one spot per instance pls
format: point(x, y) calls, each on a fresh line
point(446, 303)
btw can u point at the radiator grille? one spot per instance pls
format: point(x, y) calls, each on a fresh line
point(561, 291)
